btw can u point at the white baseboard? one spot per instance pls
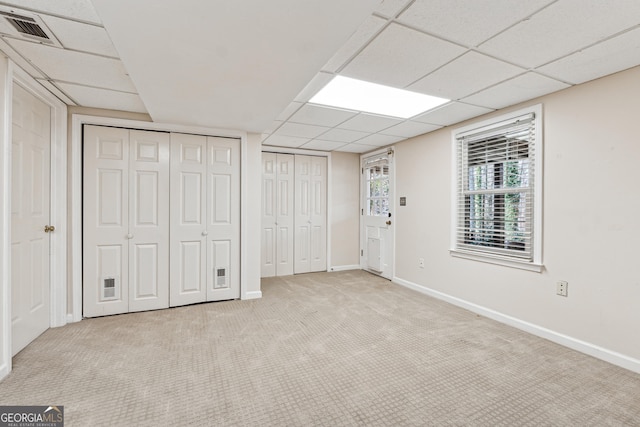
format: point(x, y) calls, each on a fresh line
point(4, 371)
point(344, 267)
point(565, 340)
point(253, 295)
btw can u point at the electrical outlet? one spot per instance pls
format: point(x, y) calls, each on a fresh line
point(421, 262)
point(562, 288)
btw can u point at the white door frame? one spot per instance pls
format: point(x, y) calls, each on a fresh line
point(327, 154)
point(11, 74)
point(392, 204)
point(77, 121)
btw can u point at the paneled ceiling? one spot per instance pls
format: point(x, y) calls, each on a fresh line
point(254, 65)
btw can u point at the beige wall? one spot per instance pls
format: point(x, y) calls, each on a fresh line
point(590, 220)
point(345, 205)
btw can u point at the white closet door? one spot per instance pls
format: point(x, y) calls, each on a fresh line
point(269, 221)
point(188, 219)
point(310, 214)
point(318, 214)
point(30, 186)
point(148, 220)
point(277, 214)
point(223, 219)
point(105, 221)
point(285, 214)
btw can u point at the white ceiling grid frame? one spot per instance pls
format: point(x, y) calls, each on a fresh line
point(409, 129)
point(57, 92)
point(300, 130)
point(465, 75)
point(103, 98)
point(561, 29)
point(371, 27)
point(76, 67)
point(358, 148)
point(319, 144)
point(610, 56)
point(522, 88)
point(365, 122)
point(81, 10)
point(380, 140)
point(399, 56)
point(391, 8)
point(74, 35)
point(343, 135)
point(456, 20)
point(285, 141)
point(451, 113)
point(312, 114)
point(316, 83)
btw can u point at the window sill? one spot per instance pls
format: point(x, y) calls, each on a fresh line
point(522, 265)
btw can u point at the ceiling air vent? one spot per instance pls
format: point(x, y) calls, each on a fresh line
point(26, 26)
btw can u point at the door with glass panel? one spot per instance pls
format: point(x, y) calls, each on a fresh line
point(376, 246)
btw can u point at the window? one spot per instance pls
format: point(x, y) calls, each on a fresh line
point(377, 186)
point(497, 197)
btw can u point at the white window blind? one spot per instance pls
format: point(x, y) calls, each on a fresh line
point(495, 189)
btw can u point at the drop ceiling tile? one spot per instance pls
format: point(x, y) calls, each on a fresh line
point(469, 22)
point(360, 38)
point(273, 126)
point(379, 140)
point(285, 141)
point(454, 112)
point(522, 88)
point(391, 8)
point(465, 75)
point(103, 98)
point(399, 56)
point(369, 123)
point(321, 116)
point(78, 36)
point(57, 92)
point(287, 112)
point(613, 55)
point(343, 135)
point(409, 129)
point(318, 144)
point(18, 59)
point(317, 83)
point(300, 130)
point(82, 10)
point(357, 148)
point(562, 28)
point(76, 67)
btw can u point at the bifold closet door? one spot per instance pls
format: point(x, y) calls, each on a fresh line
point(125, 220)
point(205, 219)
point(277, 214)
point(310, 214)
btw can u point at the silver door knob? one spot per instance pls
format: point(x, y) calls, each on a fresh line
point(204, 233)
point(129, 236)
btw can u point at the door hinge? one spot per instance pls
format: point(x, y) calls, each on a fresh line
point(361, 211)
point(361, 252)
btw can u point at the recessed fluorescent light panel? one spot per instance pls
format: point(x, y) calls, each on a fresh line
point(352, 94)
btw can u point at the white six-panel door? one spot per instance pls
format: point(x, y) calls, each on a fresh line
point(188, 219)
point(205, 219)
point(277, 214)
point(310, 214)
point(30, 185)
point(125, 220)
point(223, 219)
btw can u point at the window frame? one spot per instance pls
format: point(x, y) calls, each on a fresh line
point(477, 254)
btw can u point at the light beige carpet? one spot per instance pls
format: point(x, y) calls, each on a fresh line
point(328, 349)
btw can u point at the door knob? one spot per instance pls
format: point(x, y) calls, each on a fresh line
point(129, 236)
point(388, 222)
point(49, 228)
point(204, 233)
